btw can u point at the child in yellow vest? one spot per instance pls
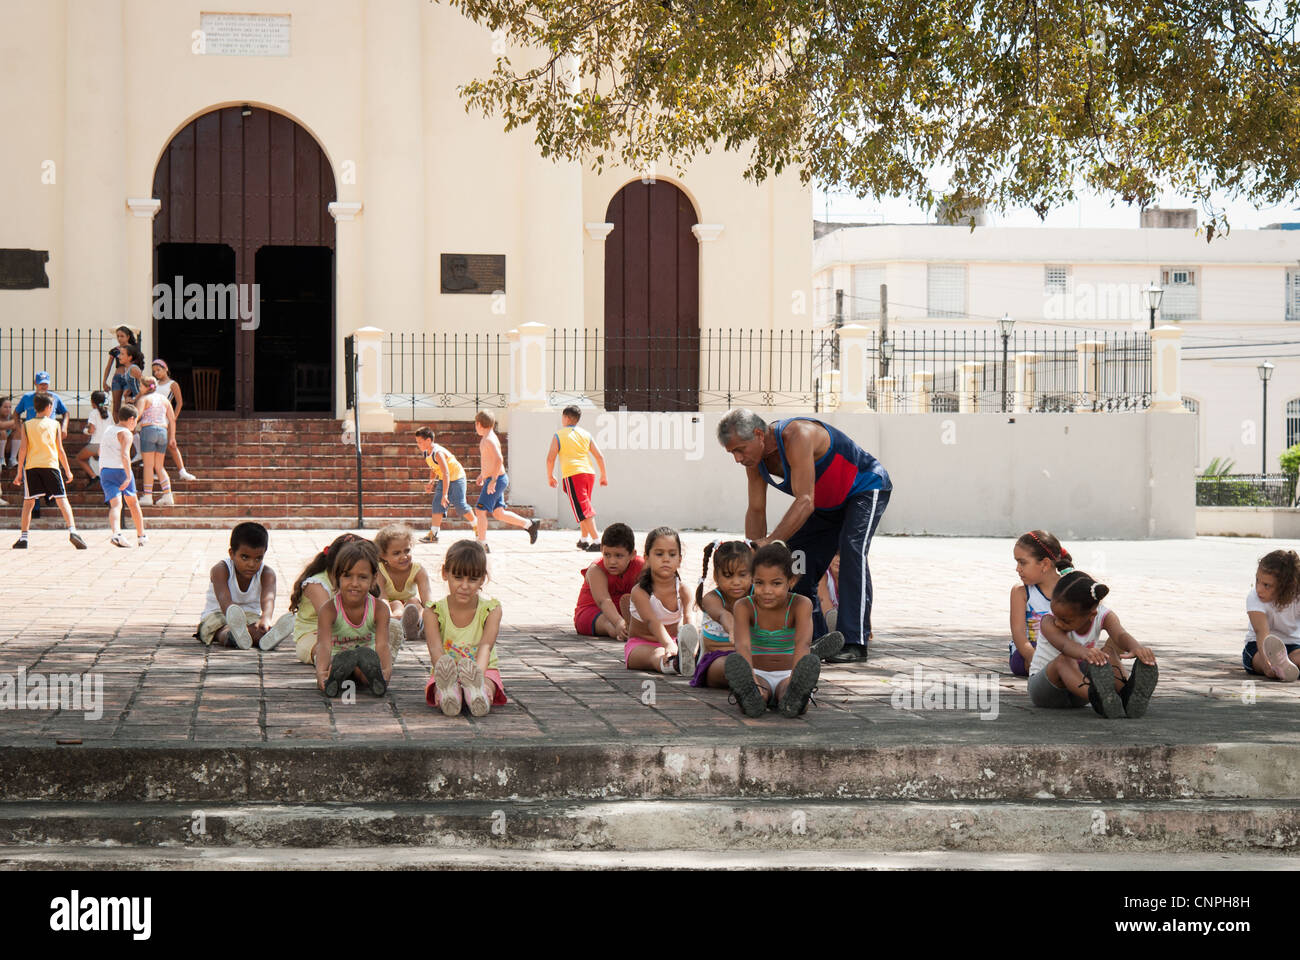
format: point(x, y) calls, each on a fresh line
point(576, 448)
point(462, 637)
point(403, 584)
point(447, 482)
point(40, 457)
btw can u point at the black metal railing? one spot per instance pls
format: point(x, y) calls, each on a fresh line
point(1246, 490)
point(445, 370)
point(74, 359)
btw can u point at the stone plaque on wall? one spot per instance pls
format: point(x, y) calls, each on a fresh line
point(23, 269)
point(473, 272)
point(245, 34)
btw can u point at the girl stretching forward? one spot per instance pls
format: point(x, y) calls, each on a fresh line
point(462, 637)
point(352, 631)
point(774, 665)
point(1273, 608)
point(404, 584)
point(1040, 563)
point(731, 573)
point(1088, 672)
point(311, 591)
point(657, 608)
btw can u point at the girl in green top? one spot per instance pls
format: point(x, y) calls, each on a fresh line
point(462, 639)
point(352, 632)
point(312, 590)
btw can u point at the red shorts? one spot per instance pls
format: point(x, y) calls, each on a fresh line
point(584, 620)
point(578, 488)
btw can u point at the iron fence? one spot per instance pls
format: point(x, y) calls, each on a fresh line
point(1246, 490)
point(444, 370)
point(74, 359)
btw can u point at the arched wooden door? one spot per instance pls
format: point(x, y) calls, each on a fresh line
point(652, 300)
point(244, 194)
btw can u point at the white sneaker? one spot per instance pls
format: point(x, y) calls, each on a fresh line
point(237, 621)
point(473, 687)
point(688, 641)
point(146, 500)
point(142, 540)
point(396, 636)
point(167, 500)
point(4, 503)
point(120, 541)
point(446, 679)
point(186, 475)
point(280, 631)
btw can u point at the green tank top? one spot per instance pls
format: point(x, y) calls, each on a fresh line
point(772, 643)
point(348, 634)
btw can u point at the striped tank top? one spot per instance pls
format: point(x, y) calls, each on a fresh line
point(772, 643)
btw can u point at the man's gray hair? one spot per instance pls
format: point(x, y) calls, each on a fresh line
point(739, 423)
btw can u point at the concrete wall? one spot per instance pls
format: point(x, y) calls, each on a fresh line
point(1083, 476)
point(1271, 523)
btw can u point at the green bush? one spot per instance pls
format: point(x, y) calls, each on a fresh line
point(1290, 460)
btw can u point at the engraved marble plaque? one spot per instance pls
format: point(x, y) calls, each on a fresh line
point(23, 269)
point(245, 34)
point(473, 272)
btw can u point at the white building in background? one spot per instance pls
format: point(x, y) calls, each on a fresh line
point(1237, 300)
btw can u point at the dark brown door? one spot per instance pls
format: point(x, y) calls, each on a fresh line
point(257, 185)
point(652, 300)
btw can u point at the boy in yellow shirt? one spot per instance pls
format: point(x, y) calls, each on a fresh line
point(446, 482)
point(576, 448)
point(40, 457)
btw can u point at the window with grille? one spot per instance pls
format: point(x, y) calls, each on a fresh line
point(1180, 301)
point(947, 290)
point(1056, 279)
point(1292, 422)
point(1293, 294)
point(866, 292)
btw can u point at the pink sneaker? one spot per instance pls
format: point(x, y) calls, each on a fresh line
point(1274, 651)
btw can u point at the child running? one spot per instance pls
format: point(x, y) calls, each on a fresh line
point(1273, 609)
point(658, 609)
point(403, 584)
point(733, 576)
point(576, 448)
point(1072, 669)
point(462, 639)
point(494, 480)
point(352, 631)
point(606, 582)
point(241, 594)
point(40, 458)
point(775, 665)
point(446, 483)
point(115, 477)
point(97, 422)
point(1040, 563)
point(313, 590)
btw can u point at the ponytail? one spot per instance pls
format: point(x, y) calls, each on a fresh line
point(699, 589)
point(1044, 546)
point(1080, 591)
point(726, 554)
point(317, 564)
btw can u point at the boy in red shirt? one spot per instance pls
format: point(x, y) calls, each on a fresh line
point(606, 583)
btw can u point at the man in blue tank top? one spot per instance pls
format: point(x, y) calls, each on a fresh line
point(840, 492)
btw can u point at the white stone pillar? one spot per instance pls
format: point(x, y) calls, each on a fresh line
point(532, 366)
point(922, 390)
point(1166, 370)
point(831, 390)
point(887, 395)
point(349, 285)
point(1092, 354)
point(1026, 379)
point(512, 337)
point(374, 416)
point(854, 367)
point(969, 397)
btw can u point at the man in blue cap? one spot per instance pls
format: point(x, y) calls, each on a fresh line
point(25, 409)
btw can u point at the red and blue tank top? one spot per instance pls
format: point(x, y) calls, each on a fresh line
point(843, 471)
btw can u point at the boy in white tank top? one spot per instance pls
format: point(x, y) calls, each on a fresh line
point(241, 596)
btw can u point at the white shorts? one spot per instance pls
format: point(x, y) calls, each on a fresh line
point(773, 680)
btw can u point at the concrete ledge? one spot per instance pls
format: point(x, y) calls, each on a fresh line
point(1271, 523)
point(414, 773)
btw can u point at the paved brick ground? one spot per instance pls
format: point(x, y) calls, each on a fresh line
point(941, 603)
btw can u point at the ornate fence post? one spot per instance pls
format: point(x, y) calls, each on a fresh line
point(923, 388)
point(373, 415)
point(1026, 376)
point(854, 368)
point(1092, 354)
point(1166, 357)
point(531, 366)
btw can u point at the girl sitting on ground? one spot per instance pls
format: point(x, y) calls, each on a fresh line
point(1273, 609)
point(403, 583)
point(1073, 668)
point(352, 631)
point(732, 576)
point(1040, 563)
point(657, 610)
point(774, 664)
point(462, 637)
point(311, 591)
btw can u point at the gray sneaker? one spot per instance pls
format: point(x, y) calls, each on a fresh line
point(341, 668)
point(802, 683)
point(1101, 691)
point(688, 643)
point(740, 678)
point(827, 645)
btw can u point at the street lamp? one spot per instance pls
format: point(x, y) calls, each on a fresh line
point(886, 353)
point(1154, 293)
point(1004, 326)
point(1265, 373)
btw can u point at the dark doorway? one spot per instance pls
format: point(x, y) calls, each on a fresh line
point(652, 300)
point(293, 343)
point(200, 351)
point(251, 180)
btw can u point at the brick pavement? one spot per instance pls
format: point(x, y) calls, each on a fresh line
point(941, 603)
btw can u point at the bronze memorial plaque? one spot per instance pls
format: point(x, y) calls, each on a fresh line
point(473, 272)
point(23, 269)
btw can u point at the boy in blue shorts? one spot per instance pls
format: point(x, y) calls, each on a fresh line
point(494, 480)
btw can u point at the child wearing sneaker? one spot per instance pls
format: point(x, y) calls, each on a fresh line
point(115, 477)
point(733, 577)
point(600, 611)
point(1273, 609)
point(40, 459)
point(313, 590)
point(157, 424)
point(403, 584)
point(657, 608)
point(576, 449)
point(1072, 669)
point(462, 637)
point(240, 602)
point(494, 480)
point(1040, 563)
point(446, 482)
point(97, 421)
point(775, 665)
point(352, 630)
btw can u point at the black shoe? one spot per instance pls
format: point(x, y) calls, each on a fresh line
point(486, 548)
point(828, 645)
point(852, 653)
point(372, 669)
point(91, 483)
point(1138, 688)
point(341, 668)
point(21, 544)
point(803, 681)
point(740, 678)
point(532, 530)
point(582, 544)
point(77, 541)
point(593, 547)
point(1101, 691)
point(429, 537)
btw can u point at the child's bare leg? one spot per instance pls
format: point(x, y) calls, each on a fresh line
point(27, 514)
point(136, 514)
point(83, 459)
point(176, 455)
point(115, 515)
point(395, 607)
point(588, 529)
point(509, 517)
point(117, 403)
point(646, 658)
point(1065, 673)
point(717, 674)
point(65, 508)
point(480, 525)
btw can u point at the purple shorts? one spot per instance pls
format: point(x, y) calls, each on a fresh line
point(702, 667)
point(1018, 666)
